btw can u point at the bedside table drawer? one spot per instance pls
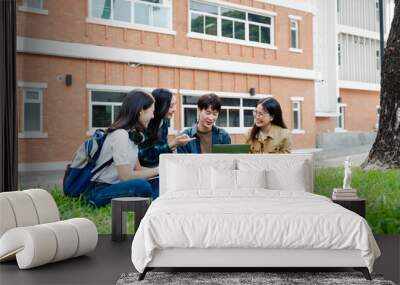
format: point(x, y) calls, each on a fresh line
point(356, 205)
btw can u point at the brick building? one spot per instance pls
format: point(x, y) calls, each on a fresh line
point(77, 58)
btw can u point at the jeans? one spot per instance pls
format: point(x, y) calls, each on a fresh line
point(100, 194)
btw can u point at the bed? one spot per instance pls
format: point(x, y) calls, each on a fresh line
point(240, 210)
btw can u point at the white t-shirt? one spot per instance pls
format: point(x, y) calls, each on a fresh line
point(118, 146)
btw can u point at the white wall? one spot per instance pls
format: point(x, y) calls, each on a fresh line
point(355, 25)
point(388, 14)
point(361, 14)
point(325, 57)
point(359, 61)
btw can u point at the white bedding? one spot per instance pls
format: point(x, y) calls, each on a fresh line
point(252, 218)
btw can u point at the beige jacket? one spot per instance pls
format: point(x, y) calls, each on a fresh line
point(277, 141)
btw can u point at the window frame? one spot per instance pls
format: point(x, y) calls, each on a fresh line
point(219, 17)
point(378, 59)
point(100, 103)
point(270, 26)
point(294, 29)
point(341, 117)
point(189, 106)
point(299, 129)
point(117, 89)
point(377, 10)
point(378, 116)
point(234, 20)
point(37, 133)
point(296, 20)
point(24, 7)
point(229, 108)
point(204, 14)
point(231, 130)
point(132, 25)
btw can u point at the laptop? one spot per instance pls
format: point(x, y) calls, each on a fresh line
point(230, 148)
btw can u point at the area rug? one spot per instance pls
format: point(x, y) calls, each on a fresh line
point(243, 278)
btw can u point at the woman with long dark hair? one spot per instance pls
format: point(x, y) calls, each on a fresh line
point(269, 133)
point(124, 177)
point(156, 134)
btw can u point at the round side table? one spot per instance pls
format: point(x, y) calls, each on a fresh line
point(120, 207)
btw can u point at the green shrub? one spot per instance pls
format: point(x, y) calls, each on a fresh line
point(380, 188)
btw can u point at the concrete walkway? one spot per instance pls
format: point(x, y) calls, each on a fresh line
point(356, 160)
point(41, 179)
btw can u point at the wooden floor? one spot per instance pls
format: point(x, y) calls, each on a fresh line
point(111, 259)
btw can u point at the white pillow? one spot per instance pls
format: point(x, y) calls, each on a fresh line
point(186, 175)
point(183, 177)
point(283, 173)
point(251, 178)
point(293, 180)
point(223, 179)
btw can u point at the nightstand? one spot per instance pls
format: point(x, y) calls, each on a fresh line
point(119, 208)
point(357, 205)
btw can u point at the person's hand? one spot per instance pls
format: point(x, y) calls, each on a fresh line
point(183, 139)
point(180, 141)
point(156, 172)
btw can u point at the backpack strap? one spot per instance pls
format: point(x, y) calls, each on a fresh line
point(102, 166)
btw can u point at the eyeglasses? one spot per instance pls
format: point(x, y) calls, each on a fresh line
point(259, 114)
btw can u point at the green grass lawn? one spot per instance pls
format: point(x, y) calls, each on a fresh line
point(381, 189)
point(71, 207)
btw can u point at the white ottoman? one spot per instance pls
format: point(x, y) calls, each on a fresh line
point(31, 232)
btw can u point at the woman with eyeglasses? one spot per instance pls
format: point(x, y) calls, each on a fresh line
point(269, 133)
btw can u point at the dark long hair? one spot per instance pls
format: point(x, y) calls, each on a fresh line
point(273, 108)
point(163, 98)
point(128, 117)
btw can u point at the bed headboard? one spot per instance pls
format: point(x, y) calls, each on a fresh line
point(297, 167)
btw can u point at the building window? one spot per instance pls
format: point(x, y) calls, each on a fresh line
point(340, 123)
point(294, 33)
point(224, 22)
point(204, 18)
point(233, 24)
point(236, 113)
point(33, 111)
point(339, 54)
point(229, 117)
point(33, 4)
point(105, 107)
point(156, 13)
point(189, 106)
point(248, 106)
point(377, 10)
point(338, 6)
point(296, 113)
point(378, 60)
point(259, 28)
point(378, 114)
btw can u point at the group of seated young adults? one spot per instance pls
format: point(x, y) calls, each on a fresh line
point(139, 136)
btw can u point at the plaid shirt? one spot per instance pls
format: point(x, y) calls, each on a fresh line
point(149, 154)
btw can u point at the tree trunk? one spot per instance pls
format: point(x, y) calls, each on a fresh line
point(385, 152)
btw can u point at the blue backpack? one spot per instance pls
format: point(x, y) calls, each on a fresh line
point(82, 167)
